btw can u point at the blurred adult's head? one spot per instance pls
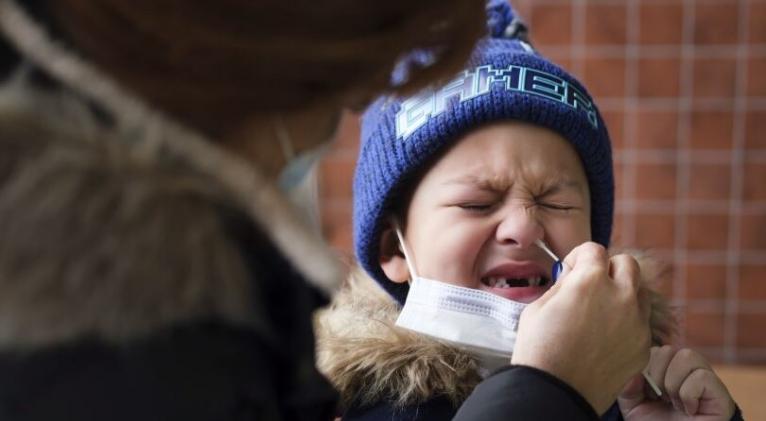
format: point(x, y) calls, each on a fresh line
point(250, 76)
point(214, 65)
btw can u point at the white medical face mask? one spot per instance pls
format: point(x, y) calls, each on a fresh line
point(299, 179)
point(475, 320)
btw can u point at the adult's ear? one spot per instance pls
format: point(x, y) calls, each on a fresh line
point(391, 258)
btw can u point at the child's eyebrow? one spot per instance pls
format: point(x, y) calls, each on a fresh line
point(500, 184)
point(483, 183)
point(562, 184)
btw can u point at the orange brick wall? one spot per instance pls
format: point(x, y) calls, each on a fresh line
point(682, 85)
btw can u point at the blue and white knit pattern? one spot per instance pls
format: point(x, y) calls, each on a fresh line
point(505, 80)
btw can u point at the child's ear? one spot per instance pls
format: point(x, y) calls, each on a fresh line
point(391, 258)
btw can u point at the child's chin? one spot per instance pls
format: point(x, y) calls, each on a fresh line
point(519, 294)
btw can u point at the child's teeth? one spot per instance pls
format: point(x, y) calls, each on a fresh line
point(495, 282)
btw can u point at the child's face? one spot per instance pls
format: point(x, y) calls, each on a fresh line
point(476, 214)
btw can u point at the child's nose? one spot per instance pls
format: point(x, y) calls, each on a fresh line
point(519, 227)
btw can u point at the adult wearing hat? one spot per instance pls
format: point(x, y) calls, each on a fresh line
point(150, 266)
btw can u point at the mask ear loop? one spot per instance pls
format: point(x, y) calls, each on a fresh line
point(407, 255)
point(284, 139)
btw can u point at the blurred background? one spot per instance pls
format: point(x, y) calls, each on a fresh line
point(682, 85)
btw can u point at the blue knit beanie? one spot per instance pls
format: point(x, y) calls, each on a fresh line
point(505, 80)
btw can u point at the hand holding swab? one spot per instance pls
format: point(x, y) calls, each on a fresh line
point(555, 272)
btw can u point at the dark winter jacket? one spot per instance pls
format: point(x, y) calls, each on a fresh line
point(537, 396)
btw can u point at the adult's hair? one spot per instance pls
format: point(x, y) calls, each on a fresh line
point(211, 64)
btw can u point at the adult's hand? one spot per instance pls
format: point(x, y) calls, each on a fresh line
point(591, 329)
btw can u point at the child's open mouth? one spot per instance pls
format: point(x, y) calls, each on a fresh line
point(498, 282)
point(522, 283)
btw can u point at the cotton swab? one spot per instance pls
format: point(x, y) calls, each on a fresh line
point(545, 248)
point(651, 382)
point(557, 265)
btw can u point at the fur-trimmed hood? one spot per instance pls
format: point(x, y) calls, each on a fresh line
point(370, 360)
point(110, 211)
point(99, 240)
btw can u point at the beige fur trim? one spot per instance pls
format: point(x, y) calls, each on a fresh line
point(662, 319)
point(369, 359)
point(98, 241)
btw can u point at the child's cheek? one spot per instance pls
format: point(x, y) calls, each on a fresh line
point(566, 234)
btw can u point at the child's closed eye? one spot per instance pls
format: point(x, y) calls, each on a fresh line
point(555, 206)
point(476, 207)
point(474, 202)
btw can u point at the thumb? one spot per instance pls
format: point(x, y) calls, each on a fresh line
point(632, 394)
